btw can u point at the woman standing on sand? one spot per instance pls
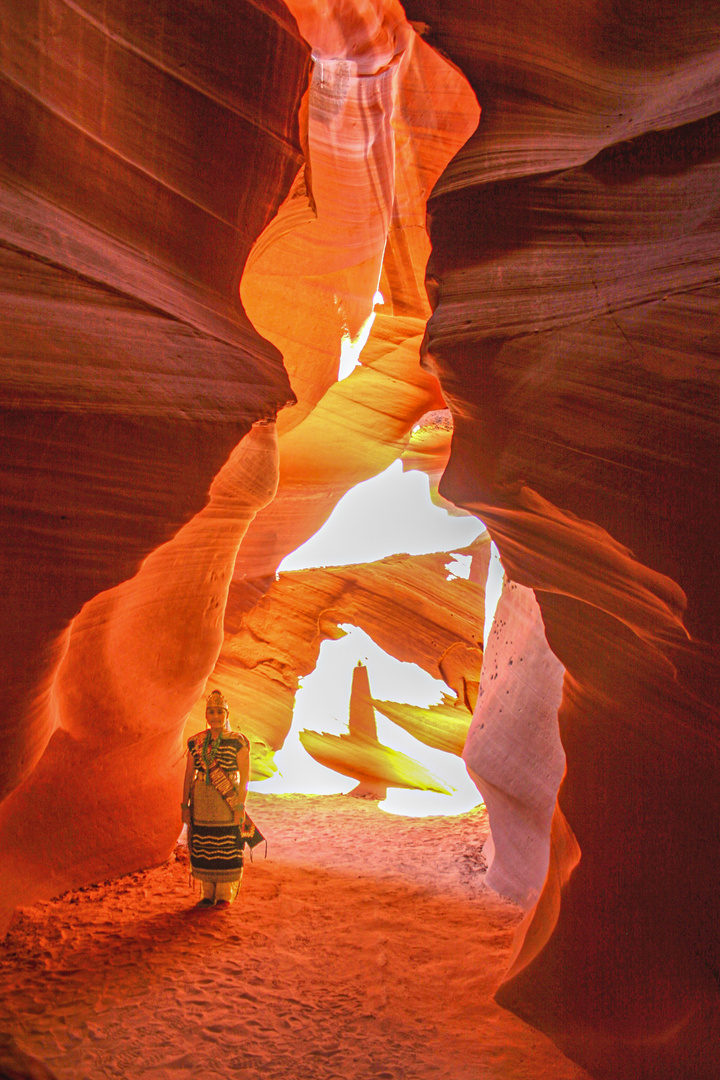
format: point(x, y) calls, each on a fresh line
point(213, 806)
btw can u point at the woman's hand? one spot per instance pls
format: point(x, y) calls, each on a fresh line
point(186, 815)
point(238, 815)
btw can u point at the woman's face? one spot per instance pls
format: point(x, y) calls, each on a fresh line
point(215, 716)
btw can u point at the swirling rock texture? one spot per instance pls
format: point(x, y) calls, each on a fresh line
point(273, 639)
point(383, 116)
point(137, 658)
point(129, 198)
point(574, 275)
point(574, 336)
point(142, 155)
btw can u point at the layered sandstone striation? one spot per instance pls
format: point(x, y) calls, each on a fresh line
point(143, 155)
point(137, 659)
point(574, 276)
point(405, 603)
point(574, 336)
point(129, 200)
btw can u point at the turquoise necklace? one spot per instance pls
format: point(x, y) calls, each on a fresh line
point(209, 758)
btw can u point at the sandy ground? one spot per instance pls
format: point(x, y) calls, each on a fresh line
point(365, 947)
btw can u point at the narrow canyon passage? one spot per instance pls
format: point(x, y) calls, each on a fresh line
point(365, 946)
point(256, 256)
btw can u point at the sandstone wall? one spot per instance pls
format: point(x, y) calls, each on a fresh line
point(574, 285)
point(140, 157)
point(574, 277)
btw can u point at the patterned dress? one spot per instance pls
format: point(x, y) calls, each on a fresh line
point(216, 849)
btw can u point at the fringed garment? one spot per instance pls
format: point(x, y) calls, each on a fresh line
point(216, 847)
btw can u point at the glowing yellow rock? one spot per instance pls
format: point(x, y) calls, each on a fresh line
point(368, 761)
point(444, 726)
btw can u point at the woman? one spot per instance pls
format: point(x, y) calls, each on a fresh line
point(213, 806)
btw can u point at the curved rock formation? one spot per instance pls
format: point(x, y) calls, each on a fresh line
point(383, 116)
point(513, 750)
point(574, 271)
point(137, 658)
point(141, 160)
point(129, 198)
point(361, 755)
point(273, 637)
point(574, 336)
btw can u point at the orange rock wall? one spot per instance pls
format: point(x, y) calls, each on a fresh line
point(573, 274)
point(140, 157)
point(574, 285)
point(405, 603)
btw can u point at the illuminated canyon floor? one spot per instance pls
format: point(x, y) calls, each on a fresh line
point(365, 946)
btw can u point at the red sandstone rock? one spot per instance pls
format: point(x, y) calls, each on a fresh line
point(272, 643)
point(129, 197)
point(574, 336)
point(137, 658)
point(573, 273)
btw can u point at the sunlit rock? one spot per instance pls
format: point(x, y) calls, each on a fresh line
point(444, 726)
point(375, 766)
point(513, 749)
point(428, 450)
point(383, 116)
point(460, 667)
point(360, 755)
point(409, 605)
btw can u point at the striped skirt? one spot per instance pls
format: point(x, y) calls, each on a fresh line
point(216, 852)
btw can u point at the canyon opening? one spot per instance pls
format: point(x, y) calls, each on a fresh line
point(360, 362)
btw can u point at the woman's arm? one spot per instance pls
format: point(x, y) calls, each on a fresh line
point(243, 764)
point(187, 782)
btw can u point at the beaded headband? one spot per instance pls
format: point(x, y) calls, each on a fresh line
point(216, 701)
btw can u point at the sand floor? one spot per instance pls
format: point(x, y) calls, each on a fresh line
point(365, 947)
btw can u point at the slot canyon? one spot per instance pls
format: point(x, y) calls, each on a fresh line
point(259, 253)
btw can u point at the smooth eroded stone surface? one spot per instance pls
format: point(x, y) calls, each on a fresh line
point(359, 753)
point(272, 643)
point(141, 157)
point(574, 278)
point(382, 118)
point(137, 659)
point(513, 750)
